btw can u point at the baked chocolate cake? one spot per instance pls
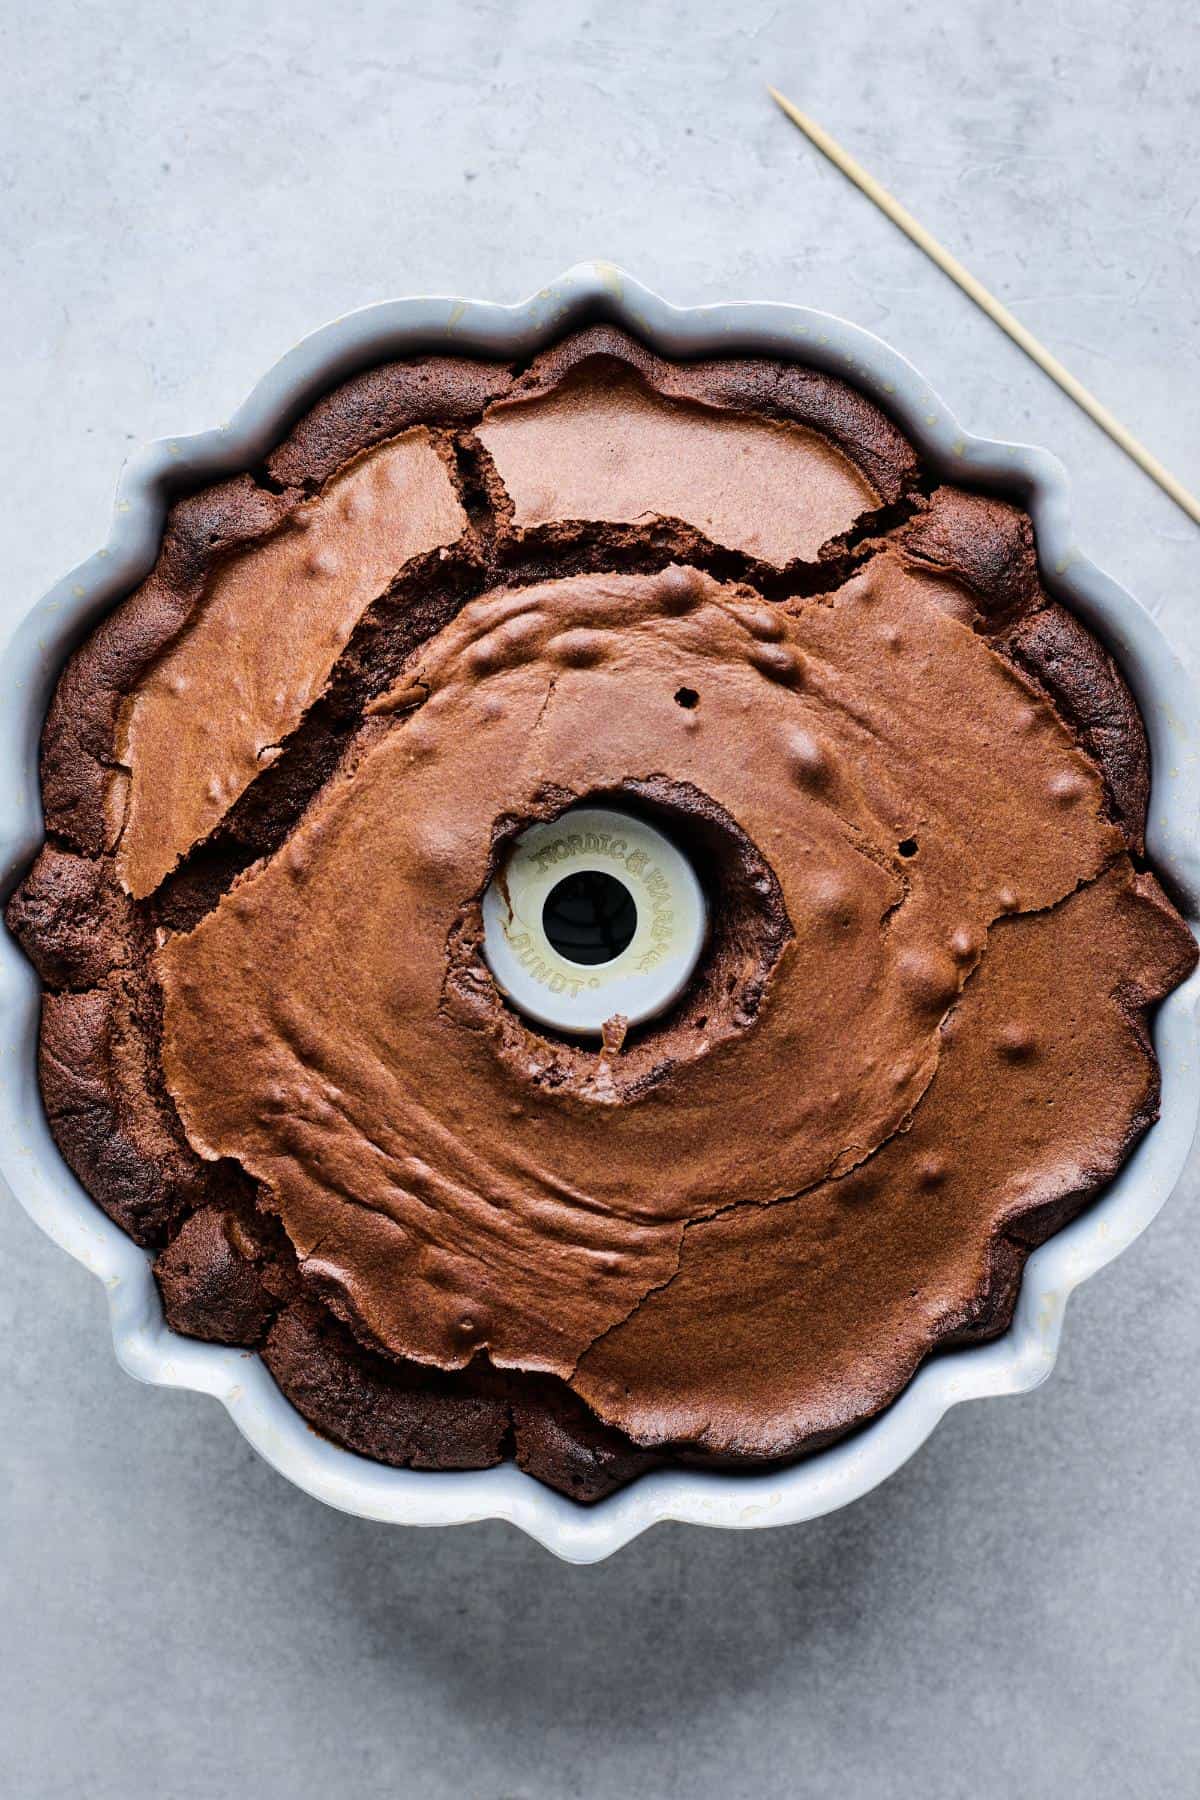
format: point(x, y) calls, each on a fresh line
point(460, 600)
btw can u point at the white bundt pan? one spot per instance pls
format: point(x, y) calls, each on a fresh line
point(33, 1169)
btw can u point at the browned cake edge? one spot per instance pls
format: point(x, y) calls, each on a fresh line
point(222, 1270)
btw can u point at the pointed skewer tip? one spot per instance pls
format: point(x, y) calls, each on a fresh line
point(987, 303)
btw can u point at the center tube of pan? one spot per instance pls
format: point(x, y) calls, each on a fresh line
point(592, 915)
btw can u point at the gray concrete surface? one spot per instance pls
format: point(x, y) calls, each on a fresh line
point(186, 189)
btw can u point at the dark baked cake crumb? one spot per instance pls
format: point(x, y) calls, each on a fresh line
point(459, 597)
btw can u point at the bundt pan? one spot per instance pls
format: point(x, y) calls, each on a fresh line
point(33, 1169)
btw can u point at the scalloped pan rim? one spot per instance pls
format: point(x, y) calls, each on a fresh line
point(32, 1169)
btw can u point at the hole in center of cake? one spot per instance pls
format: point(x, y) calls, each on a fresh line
point(593, 916)
point(585, 939)
point(590, 917)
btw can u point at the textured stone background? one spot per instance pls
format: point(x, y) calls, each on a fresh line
point(187, 189)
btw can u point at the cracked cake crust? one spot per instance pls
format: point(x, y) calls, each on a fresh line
point(227, 1267)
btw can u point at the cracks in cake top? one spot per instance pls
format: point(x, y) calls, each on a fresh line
point(506, 634)
point(857, 1160)
point(426, 595)
point(983, 551)
point(305, 463)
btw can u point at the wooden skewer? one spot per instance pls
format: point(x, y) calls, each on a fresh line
point(950, 265)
